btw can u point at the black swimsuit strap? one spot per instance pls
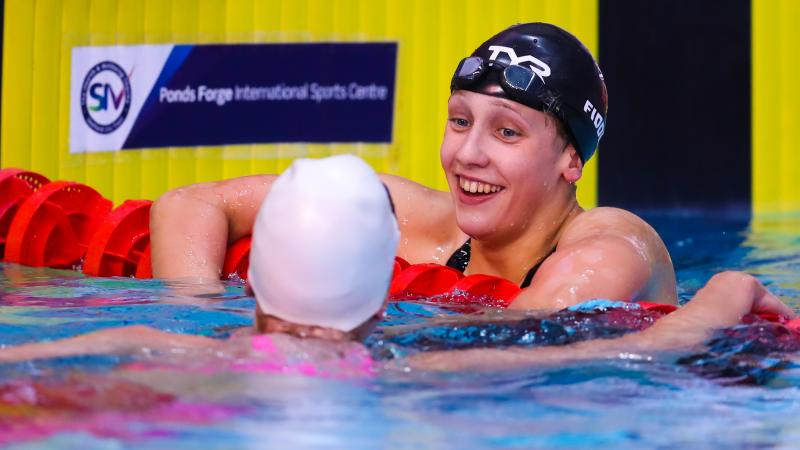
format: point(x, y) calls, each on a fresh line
point(459, 260)
point(529, 277)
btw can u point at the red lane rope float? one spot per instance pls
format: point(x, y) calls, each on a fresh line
point(792, 324)
point(116, 248)
point(430, 279)
point(32, 179)
point(662, 308)
point(53, 226)
point(237, 259)
point(488, 286)
point(425, 279)
point(15, 186)
point(400, 264)
point(145, 267)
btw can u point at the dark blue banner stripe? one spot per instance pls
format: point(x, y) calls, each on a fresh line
point(270, 93)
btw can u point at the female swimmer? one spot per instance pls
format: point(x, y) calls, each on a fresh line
point(526, 111)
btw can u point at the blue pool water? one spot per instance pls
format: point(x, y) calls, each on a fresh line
point(743, 392)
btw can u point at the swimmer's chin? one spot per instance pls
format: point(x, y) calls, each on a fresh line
point(477, 231)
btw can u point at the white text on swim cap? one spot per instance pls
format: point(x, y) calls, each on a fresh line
point(538, 66)
point(596, 118)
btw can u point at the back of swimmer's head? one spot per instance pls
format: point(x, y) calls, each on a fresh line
point(560, 77)
point(323, 244)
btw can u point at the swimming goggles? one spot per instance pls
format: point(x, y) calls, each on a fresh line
point(520, 83)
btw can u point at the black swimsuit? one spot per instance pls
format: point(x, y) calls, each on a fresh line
point(460, 259)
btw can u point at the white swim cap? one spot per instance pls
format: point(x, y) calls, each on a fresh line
point(323, 244)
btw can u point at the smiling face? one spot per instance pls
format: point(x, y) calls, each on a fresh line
point(505, 163)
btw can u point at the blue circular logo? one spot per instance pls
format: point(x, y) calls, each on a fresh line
point(105, 97)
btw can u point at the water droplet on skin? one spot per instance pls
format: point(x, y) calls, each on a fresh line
point(639, 245)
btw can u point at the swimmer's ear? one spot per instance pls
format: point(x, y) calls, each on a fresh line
point(573, 169)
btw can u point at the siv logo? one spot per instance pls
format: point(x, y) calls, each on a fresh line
point(538, 66)
point(595, 117)
point(105, 97)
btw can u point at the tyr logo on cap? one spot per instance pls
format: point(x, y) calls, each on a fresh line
point(538, 66)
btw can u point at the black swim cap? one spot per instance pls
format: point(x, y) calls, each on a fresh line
point(558, 75)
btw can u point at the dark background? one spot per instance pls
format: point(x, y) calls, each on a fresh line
point(678, 76)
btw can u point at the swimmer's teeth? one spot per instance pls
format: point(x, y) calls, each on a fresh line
point(475, 187)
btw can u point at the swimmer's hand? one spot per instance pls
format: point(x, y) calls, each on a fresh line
point(725, 299)
point(131, 339)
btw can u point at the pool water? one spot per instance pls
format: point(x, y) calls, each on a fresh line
point(743, 392)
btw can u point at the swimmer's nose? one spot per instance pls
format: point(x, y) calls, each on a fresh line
point(471, 152)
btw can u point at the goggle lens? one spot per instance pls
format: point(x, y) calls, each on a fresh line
point(518, 82)
point(470, 68)
point(518, 77)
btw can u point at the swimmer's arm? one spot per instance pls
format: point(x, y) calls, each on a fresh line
point(607, 267)
point(725, 299)
point(191, 227)
point(603, 253)
point(108, 341)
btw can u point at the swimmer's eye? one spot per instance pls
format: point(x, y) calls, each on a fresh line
point(509, 133)
point(459, 122)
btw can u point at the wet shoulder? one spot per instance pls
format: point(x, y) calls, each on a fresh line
point(627, 228)
point(607, 221)
point(418, 205)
